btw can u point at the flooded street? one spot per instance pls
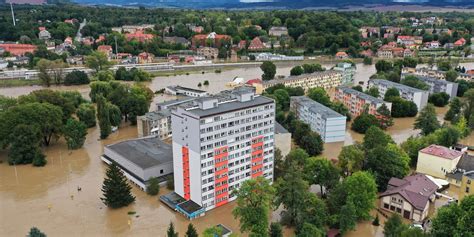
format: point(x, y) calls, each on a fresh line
point(48, 198)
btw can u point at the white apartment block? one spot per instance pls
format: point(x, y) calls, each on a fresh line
point(437, 86)
point(323, 120)
point(417, 96)
point(219, 142)
point(326, 79)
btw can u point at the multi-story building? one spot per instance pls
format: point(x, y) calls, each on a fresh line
point(347, 70)
point(441, 75)
point(323, 120)
point(219, 142)
point(326, 79)
point(186, 91)
point(467, 185)
point(207, 52)
point(417, 96)
point(437, 86)
point(358, 102)
point(437, 160)
point(278, 31)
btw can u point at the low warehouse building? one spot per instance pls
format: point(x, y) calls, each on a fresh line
point(141, 159)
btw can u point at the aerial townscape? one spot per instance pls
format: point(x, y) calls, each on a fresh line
point(237, 118)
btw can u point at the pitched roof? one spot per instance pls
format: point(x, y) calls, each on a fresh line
point(416, 189)
point(441, 151)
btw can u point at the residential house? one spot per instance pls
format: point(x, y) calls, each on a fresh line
point(207, 52)
point(437, 161)
point(256, 45)
point(139, 36)
point(342, 55)
point(278, 31)
point(211, 39)
point(367, 53)
point(465, 164)
point(242, 44)
point(460, 42)
point(369, 32)
point(177, 40)
point(106, 49)
point(408, 53)
point(18, 49)
point(44, 34)
point(467, 185)
point(145, 57)
point(410, 197)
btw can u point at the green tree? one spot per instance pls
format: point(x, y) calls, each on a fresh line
point(153, 186)
point(25, 146)
point(385, 116)
point(359, 88)
point(86, 114)
point(427, 120)
point(269, 70)
point(447, 136)
point(275, 230)
point(319, 95)
point(455, 220)
point(387, 162)
point(99, 88)
point(215, 231)
point(103, 117)
point(296, 71)
point(191, 231)
point(322, 172)
point(367, 61)
point(361, 191)
point(50, 71)
point(97, 61)
point(375, 137)
point(104, 75)
point(46, 117)
point(76, 77)
point(383, 66)
point(451, 75)
point(170, 182)
point(312, 143)
point(391, 92)
point(351, 159)
point(35, 232)
point(253, 205)
point(116, 190)
point(282, 98)
point(363, 122)
point(394, 226)
point(310, 230)
point(115, 115)
point(75, 133)
point(347, 217)
point(373, 91)
point(171, 232)
point(440, 99)
point(454, 110)
point(413, 232)
point(310, 68)
point(415, 82)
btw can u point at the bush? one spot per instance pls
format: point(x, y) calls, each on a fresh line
point(153, 187)
point(170, 182)
point(439, 99)
point(76, 78)
point(364, 122)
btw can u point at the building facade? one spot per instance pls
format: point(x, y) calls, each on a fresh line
point(220, 142)
point(326, 79)
point(186, 91)
point(282, 139)
point(437, 160)
point(347, 70)
point(323, 120)
point(357, 102)
point(437, 86)
point(417, 96)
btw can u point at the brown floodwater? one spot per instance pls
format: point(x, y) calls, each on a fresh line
point(47, 197)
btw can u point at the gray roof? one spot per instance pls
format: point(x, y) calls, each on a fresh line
point(144, 152)
point(316, 107)
point(466, 163)
point(230, 106)
point(390, 84)
point(176, 102)
point(360, 94)
point(186, 89)
point(430, 79)
point(279, 129)
point(176, 40)
point(416, 189)
point(156, 115)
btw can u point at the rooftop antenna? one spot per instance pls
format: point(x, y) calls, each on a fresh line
point(13, 14)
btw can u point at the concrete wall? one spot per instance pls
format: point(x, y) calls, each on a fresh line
point(435, 166)
point(283, 142)
point(335, 129)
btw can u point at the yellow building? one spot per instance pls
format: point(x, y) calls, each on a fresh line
point(437, 160)
point(467, 185)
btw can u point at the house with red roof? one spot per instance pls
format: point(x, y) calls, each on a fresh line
point(460, 42)
point(18, 49)
point(106, 49)
point(145, 57)
point(139, 35)
point(212, 39)
point(437, 161)
point(367, 53)
point(256, 44)
point(242, 44)
point(409, 197)
point(342, 55)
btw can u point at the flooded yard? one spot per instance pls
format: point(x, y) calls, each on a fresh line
point(48, 197)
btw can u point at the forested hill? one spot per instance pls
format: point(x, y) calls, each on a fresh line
point(291, 4)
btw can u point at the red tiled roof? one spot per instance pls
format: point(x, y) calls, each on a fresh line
point(139, 35)
point(253, 81)
point(341, 54)
point(104, 48)
point(441, 151)
point(18, 49)
point(256, 43)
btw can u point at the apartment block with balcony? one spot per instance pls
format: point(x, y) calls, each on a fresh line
point(323, 120)
point(326, 79)
point(219, 142)
point(417, 96)
point(348, 72)
point(358, 101)
point(437, 86)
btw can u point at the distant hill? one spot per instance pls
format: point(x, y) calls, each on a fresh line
point(291, 4)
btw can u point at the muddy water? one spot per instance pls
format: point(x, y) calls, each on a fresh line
point(47, 197)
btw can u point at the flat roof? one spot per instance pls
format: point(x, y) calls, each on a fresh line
point(144, 152)
point(185, 89)
point(441, 151)
point(316, 107)
point(279, 129)
point(430, 79)
point(396, 85)
point(360, 94)
point(230, 106)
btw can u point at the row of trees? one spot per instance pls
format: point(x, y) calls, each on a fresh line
point(35, 120)
point(306, 69)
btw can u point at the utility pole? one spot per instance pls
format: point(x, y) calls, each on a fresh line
point(116, 48)
point(13, 14)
